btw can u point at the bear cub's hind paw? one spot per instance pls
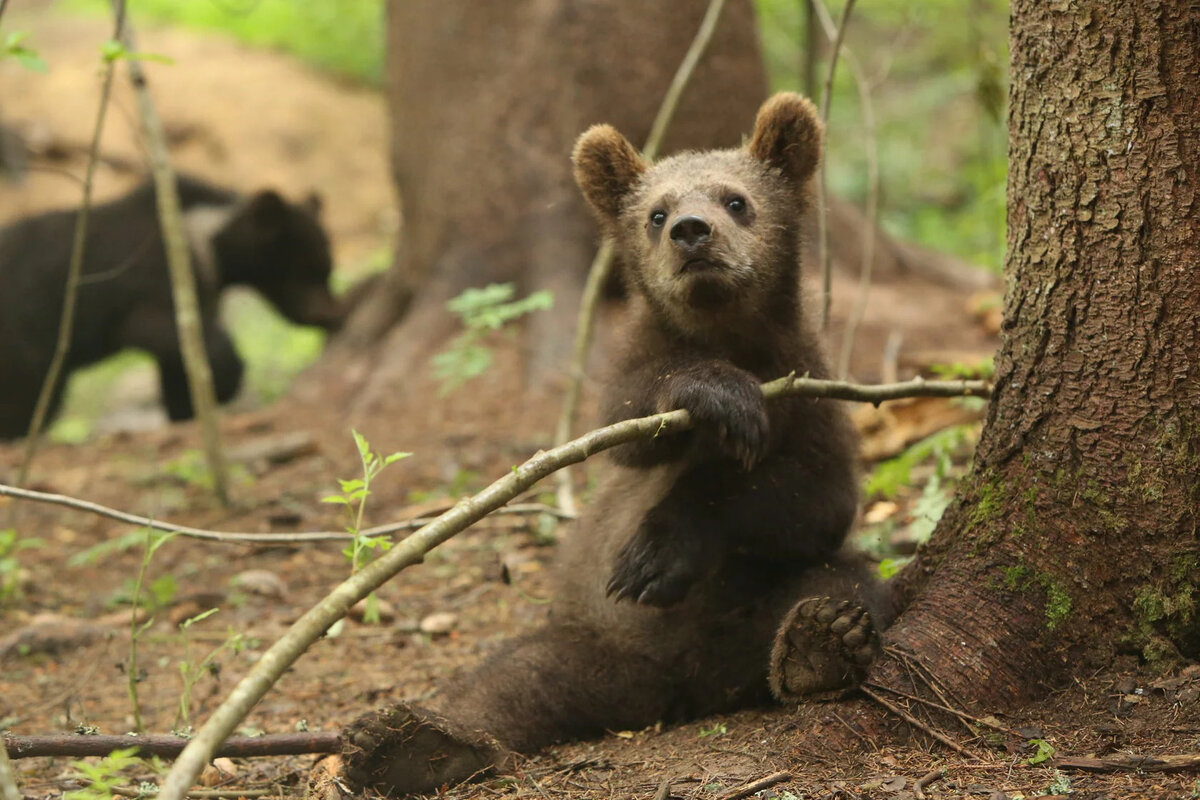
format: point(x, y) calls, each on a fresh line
point(405, 750)
point(822, 646)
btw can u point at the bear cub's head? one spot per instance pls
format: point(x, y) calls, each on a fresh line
point(281, 249)
point(710, 236)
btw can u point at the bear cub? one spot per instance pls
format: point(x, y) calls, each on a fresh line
point(708, 572)
point(124, 299)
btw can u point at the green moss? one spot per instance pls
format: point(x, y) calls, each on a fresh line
point(989, 502)
point(1165, 613)
point(1058, 602)
point(1021, 579)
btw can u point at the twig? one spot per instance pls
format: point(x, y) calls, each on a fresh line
point(966, 718)
point(1131, 763)
point(259, 538)
point(867, 264)
point(602, 264)
point(183, 281)
point(822, 191)
point(664, 789)
point(278, 744)
point(923, 783)
point(804, 387)
point(66, 320)
point(916, 723)
point(202, 794)
point(313, 624)
point(756, 786)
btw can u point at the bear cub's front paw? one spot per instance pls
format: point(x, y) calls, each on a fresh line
point(730, 405)
point(656, 567)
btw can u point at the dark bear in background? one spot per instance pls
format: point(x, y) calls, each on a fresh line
point(708, 571)
point(124, 300)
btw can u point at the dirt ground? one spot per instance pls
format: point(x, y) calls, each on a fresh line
point(249, 119)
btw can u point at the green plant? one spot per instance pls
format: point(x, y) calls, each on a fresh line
point(14, 47)
point(1060, 785)
point(191, 469)
point(481, 311)
point(354, 496)
point(192, 671)
point(890, 476)
point(104, 776)
point(717, 729)
point(1044, 752)
point(10, 567)
point(154, 540)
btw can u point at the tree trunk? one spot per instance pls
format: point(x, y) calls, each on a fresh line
point(1074, 538)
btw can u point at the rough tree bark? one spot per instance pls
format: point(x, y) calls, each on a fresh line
point(1074, 538)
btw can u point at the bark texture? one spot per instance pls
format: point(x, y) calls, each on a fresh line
point(1075, 536)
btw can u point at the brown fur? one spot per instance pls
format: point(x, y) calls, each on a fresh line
point(697, 545)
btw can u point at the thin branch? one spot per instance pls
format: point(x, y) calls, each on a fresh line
point(924, 781)
point(78, 746)
point(823, 191)
point(66, 320)
point(204, 794)
point(792, 385)
point(313, 624)
point(183, 280)
point(250, 538)
point(602, 264)
point(756, 786)
point(867, 265)
point(916, 723)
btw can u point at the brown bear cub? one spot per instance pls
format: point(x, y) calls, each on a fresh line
point(708, 573)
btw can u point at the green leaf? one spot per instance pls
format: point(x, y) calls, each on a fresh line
point(394, 457)
point(360, 441)
point(187, 623)
point(335, 498)
point(351, 485)
point(1045, 752)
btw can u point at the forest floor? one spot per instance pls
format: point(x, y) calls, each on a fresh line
point(249, 118)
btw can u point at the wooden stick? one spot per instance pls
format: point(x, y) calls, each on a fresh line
point(756, 786)
point(916, 723)
point(79, 746)
point(1130, 763)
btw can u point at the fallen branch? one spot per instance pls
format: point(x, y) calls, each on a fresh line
point(923, 782)
point(756, 786)
point(1130, 763)
point(916, 723)
point(167, 746)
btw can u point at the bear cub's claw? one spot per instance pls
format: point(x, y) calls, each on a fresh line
point(405, 749)
point(657, 567)
point(731, 406)
point(822, 645)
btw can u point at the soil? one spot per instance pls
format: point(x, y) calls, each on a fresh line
point(248, 118)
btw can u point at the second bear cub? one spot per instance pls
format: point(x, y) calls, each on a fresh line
point(708, 566)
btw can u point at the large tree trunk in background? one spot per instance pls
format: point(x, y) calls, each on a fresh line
point(1075, 535)
point(486, 102)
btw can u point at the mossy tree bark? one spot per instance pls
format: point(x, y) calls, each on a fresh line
point(1075, 536)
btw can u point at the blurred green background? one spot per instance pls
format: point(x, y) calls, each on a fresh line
point(934, 73)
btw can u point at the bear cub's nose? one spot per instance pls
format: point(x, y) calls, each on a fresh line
point(691, 231)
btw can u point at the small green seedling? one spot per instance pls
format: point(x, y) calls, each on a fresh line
point(354, 497)
point(481, 311)
point(14, 47)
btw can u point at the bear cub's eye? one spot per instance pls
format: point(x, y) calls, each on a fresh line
point(658, 218)
point(736, 204)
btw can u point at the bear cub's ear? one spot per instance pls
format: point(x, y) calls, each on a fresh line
point(787, 136)
point(607, 167)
